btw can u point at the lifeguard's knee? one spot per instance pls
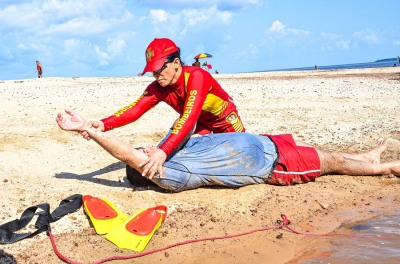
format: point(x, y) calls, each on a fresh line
point(177, 180)
point(169, 185)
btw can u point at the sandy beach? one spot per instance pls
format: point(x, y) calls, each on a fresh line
point(346, 110)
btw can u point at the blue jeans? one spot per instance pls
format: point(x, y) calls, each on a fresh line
point(225, 159)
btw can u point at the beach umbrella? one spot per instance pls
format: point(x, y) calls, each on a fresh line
point(203, 56)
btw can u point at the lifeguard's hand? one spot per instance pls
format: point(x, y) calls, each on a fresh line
point(76, 122)
point(98, 125)
point(153, 164)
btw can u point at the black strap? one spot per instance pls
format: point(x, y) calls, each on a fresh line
point(7, 230)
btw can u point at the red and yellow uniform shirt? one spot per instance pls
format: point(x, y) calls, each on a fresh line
point(196, 96)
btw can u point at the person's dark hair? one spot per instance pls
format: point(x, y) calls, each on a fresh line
point(6, 258)
point(173, 56)
point(136, 179)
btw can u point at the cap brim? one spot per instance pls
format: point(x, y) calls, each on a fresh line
point(154, 65)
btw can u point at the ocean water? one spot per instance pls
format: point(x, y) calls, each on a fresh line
point(373, 241)
point(377, 64)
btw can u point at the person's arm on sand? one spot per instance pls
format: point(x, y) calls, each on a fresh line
point(116, 147)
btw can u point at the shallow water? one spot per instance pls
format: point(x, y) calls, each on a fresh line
point(373, 241)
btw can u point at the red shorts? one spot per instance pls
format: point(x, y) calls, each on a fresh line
point(296, 164)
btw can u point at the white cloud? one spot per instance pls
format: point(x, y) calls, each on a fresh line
point(25, 16)
point(343, 44)
point(200, 4)
point(332, 41)
point(159, 16)
point(164, 23)
point(366, 36)
point(186, 20)
point(22, 46)
point(202, 18)
point(228, 37)
point(81, 26)
point(72, 46)
point(70, 17)
point(115, 47)
point(279, 28)
point(75, 37)
point(253, 49)
point(329, 36)
point(75, 32)
point(84, 51)
point(103, 57)
point(65, 9)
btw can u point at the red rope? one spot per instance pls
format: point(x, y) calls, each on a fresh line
point(284, 223)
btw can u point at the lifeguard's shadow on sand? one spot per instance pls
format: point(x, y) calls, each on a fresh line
point(92, 177)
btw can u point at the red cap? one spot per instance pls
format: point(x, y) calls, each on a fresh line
point(157, 52)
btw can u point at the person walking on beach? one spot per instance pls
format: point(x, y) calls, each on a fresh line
point(203, 105)
point(39, 69)
point(238, 159)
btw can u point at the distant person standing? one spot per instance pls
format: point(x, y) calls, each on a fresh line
point(39, 69)
point(196, 63)
point(205, 66)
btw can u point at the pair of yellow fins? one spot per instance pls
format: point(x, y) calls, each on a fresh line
point(129, 232)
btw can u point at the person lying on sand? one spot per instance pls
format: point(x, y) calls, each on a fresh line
point(238, 159)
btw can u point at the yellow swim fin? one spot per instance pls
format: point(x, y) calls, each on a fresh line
point(104, 215)
point(136, 232)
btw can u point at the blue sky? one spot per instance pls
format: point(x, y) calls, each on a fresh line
point(74, 38)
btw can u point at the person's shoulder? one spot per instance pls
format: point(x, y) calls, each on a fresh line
point(197, 76)
point(152, 84)
point(197, 72)
point(155, 91)
point(194, 69)
point(153, 87)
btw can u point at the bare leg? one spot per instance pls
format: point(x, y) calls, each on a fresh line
point(336, 163)
point(373, 156)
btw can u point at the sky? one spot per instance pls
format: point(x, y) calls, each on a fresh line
point(108, 38)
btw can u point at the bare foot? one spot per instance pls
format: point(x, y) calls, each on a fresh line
point(395, 170)
point(374, 155)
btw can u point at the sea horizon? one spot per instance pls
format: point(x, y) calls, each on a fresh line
point(381, 63)
point(390, 62)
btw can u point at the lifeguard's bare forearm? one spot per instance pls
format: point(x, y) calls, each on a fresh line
point(118, 148)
